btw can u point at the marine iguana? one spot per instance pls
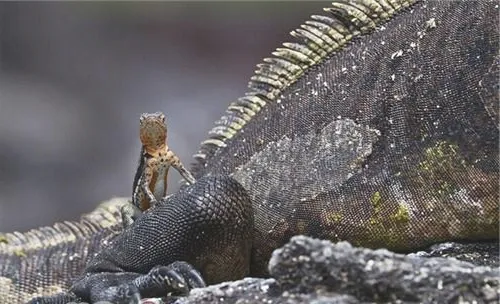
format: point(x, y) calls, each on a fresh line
point(378, 126)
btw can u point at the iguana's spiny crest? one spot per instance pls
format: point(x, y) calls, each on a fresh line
point(318, 39)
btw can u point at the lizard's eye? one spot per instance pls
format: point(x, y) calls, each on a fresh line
point(162, 117)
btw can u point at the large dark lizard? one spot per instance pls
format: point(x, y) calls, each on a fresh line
point(378, 126)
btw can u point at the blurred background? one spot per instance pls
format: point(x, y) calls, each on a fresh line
point(74, 78)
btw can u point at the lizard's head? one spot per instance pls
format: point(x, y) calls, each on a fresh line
point(153, 130)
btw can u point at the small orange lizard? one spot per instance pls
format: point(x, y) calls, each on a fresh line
point(150, 181)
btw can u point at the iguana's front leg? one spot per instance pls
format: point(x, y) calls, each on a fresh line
point(208, 225)
point(129, 287)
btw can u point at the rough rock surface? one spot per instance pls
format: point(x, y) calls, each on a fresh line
point(308, 270)
point(484, 254)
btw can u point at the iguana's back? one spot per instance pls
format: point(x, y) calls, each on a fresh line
point(389, 142)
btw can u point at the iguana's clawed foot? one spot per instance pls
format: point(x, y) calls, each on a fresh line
point(176, 278)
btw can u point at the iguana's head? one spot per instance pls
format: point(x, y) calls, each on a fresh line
point(153, 131)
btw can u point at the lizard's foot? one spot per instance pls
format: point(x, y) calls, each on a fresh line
point(152, 202)
point(129, 213)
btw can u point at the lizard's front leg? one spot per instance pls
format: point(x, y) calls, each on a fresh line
point(142, 198)
point(148, 178)
point(177, 164)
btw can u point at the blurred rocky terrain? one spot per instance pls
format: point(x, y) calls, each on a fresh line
point(74, 78)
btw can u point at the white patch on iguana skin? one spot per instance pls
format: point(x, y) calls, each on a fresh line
point(288, 168)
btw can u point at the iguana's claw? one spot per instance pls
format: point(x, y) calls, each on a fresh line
point(178, 277)
point(190, 274)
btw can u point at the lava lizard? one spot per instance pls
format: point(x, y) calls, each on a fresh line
point(150, 181)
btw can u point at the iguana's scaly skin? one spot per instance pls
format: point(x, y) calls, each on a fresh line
point(45, 260)
point(378, 126)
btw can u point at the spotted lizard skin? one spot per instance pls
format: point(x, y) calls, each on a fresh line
point(150, 181)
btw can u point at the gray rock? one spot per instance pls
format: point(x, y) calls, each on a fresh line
point(253, 290)
point(306, 264)
point(483, 254)
point(308, 270)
